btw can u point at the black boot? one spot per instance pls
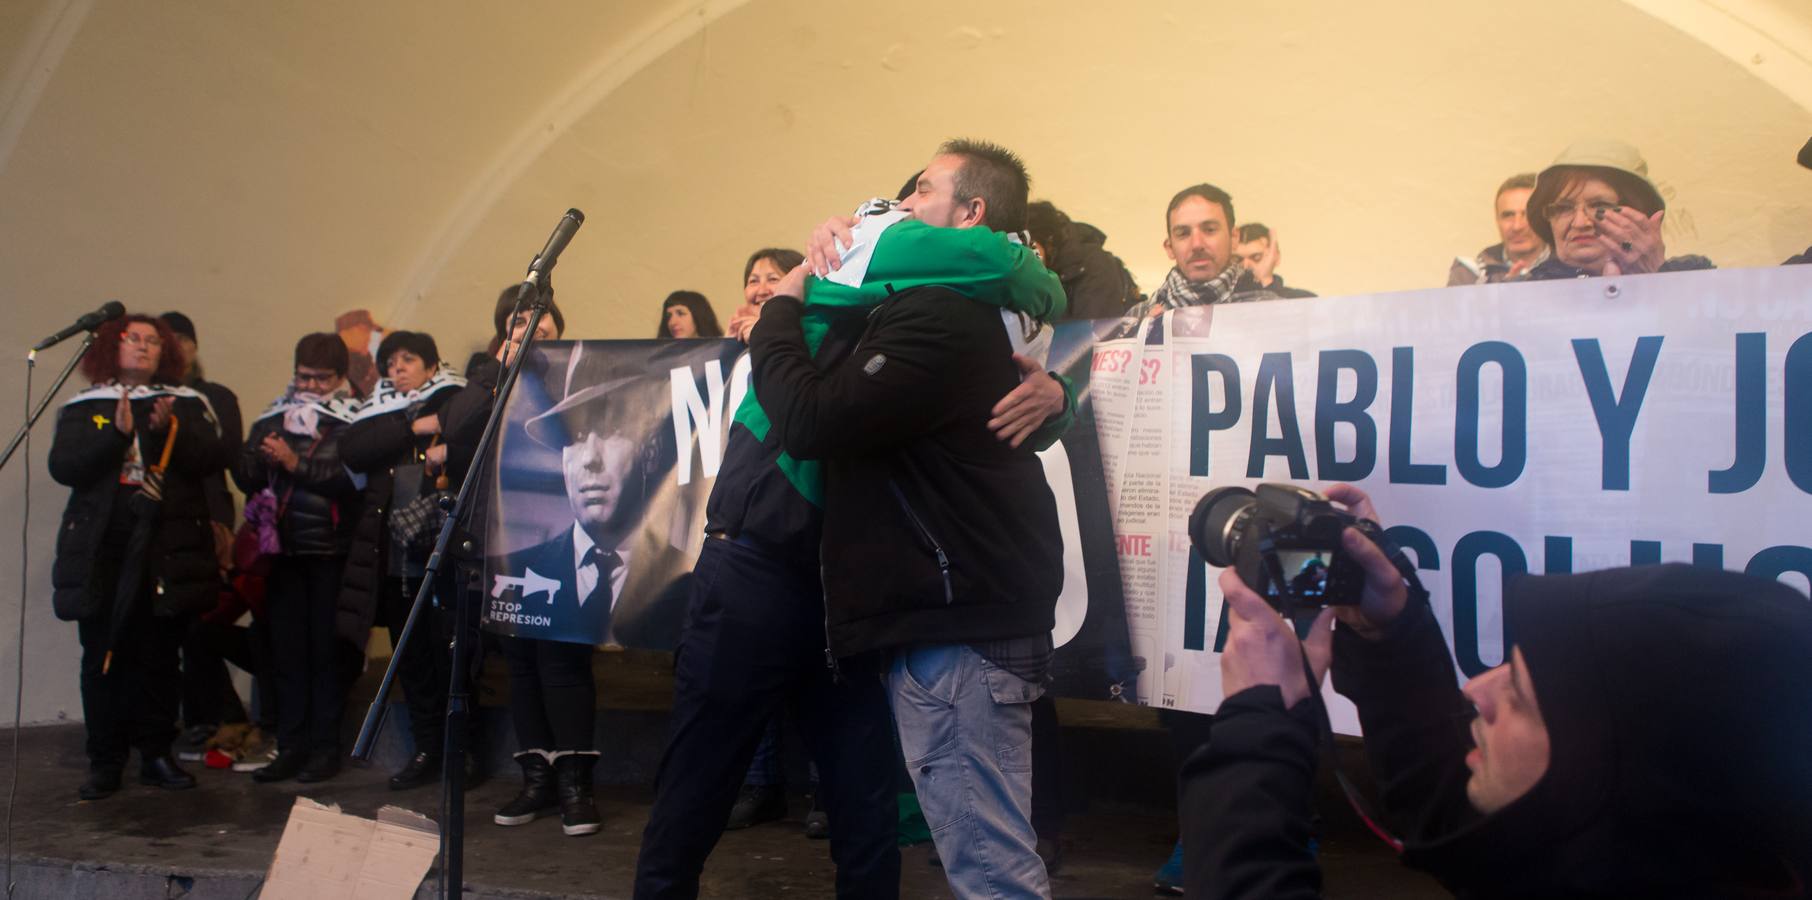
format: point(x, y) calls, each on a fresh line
point(422, 768)
point(322, 765)
point(162, 771)
point(287, 765)
point(103, 782)
point(538, 796)
point(755, 804)
point(578, 811)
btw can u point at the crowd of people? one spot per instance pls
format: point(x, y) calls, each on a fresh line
point(918, 387)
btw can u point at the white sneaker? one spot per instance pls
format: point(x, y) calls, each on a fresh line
point(255, 758)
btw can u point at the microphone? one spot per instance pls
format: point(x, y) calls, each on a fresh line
point(109, 311)
point(550, 255)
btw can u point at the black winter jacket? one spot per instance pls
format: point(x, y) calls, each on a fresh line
point(1095, 282)
point(374, 447)
point(322, 505)
point(934, 531)
point(1654, 787)
point(752, 500)
point(87, 454)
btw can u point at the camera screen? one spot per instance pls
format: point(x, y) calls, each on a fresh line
point(1306, 572)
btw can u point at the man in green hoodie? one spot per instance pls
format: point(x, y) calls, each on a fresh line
point(756, 626)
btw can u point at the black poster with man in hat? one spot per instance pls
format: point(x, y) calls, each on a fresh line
point(596, 517)
point(609, 452)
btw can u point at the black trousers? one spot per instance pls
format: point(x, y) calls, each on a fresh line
point(753, 639)
point(208, 697)
point(553, 697)
point(426, 670)
point(311, 665)
point(134, 705)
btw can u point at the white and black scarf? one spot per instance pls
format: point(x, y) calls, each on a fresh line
point(1178, 291)
point(302, 412)
point(385, 398)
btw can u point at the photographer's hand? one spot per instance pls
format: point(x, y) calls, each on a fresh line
point(1385, 593)
point(1262, 647)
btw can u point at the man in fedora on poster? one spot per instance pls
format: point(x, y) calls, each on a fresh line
point(611, 577)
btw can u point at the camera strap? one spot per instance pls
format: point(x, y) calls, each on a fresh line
point(1354, 798)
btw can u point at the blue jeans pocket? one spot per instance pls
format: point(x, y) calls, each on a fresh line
point(1012, 719)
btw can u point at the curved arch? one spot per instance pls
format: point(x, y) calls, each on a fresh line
point(1762, 36)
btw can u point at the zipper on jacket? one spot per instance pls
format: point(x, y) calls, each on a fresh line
point(943, 561)
point(830, 659)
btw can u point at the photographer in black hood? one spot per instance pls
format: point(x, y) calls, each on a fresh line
point(1646, 736)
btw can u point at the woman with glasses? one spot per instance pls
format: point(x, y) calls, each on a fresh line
point(294, 453)
point(1596, 207)
point(135, 553)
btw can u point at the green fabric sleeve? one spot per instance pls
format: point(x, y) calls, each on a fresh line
point(978, 263)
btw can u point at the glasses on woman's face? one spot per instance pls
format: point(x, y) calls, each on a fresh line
point(315, 378)
point(1592, 208)
point(145, 340)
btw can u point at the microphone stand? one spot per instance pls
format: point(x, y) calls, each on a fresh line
point(31, 362)
point(452, 777)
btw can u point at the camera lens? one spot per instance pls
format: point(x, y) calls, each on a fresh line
point(1213, 526)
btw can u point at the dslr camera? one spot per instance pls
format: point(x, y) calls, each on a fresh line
point(1284, 542)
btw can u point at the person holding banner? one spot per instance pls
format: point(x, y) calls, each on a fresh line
point(292, 456)
point(1645, 736)
point(756, 628)
point(553, 696)
point(1198, 238)
point(918, 486)
point(134, 433)
point(610, 577)
point(391, 445)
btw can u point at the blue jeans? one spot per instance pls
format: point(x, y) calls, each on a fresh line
point(966, 732)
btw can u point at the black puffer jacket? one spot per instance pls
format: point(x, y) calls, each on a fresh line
point(322, 505)
point(87, 455)
point(374, 447)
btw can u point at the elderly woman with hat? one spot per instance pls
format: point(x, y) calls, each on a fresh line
point(1596, 207)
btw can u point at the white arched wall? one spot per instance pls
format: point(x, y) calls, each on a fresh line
point(1771, 39)
point(264, 166)
point(1718, 96)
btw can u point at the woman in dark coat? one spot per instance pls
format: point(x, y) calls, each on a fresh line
point(553, 696)
point(109, 438)
point(392, 443)
point(293, 451)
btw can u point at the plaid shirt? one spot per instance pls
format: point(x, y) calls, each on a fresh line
point(1028, 657)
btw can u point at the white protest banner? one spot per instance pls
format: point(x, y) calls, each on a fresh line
point(1552, 427)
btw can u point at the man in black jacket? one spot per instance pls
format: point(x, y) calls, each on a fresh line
point(941, 543)
point(1645, 737)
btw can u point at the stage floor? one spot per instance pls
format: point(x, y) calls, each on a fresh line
point(217, 840)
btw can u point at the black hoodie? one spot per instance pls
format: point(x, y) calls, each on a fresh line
point(1678, 703)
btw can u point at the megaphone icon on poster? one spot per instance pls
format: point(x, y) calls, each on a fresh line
point(530, 584)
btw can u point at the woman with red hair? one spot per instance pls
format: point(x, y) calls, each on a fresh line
point(132, 422)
